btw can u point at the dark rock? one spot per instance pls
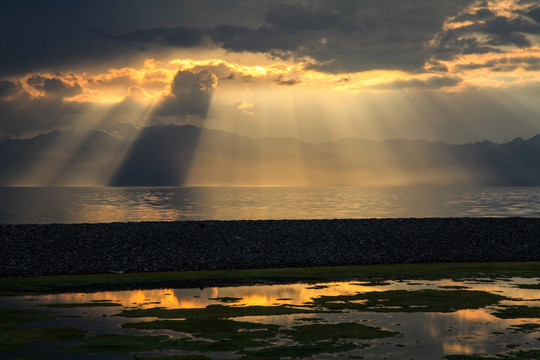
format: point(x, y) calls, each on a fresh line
point(34, 250)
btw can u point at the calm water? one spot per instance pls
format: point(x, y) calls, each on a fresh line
point(420, 332)
point(106, 204)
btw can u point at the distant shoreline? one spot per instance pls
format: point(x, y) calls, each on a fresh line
point(57, 249)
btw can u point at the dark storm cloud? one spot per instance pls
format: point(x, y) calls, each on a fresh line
point(9, 88)
point(432, 83)
point(534, 14)
point(191, 94)
point(504, 64)
point(289, 16)
point(449, 44)
point(346, 36)
point(340, 36)
point(504, 31)
point(487, 33)
point(178, 37)
point(54, 86)
point(21, 114)
point(55, 35)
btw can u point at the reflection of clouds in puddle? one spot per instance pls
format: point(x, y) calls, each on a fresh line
point(459, 348)
point(143, 298)
point(430, 335)
point(266, 295)
point(472, 331)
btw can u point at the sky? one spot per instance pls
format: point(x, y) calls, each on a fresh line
point(456, 71)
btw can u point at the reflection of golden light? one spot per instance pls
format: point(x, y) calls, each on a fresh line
point(144, 298)
point(467, 315)
point(457, 348)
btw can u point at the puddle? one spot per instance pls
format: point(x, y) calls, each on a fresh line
point(371, 320)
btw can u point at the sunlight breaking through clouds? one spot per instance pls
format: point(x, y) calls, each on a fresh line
point(445, 70)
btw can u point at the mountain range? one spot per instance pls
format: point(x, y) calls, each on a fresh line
point(171, 155)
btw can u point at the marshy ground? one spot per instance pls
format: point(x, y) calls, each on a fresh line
point(485, 311)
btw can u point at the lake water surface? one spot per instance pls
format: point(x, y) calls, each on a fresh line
point(19, 205)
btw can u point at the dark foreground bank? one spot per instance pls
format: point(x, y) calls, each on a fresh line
point(30, 250)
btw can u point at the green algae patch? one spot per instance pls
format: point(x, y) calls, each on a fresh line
point(134, 343)
point(514, 355)
point(215, 329)
point(425, 300)
point(529, 286)
point(121, 343)
point(310, 319)
point(318, 332)
point(16, 339)
point(317, 287)
point(79, 305)
point(216, 312)
point(454, 287)
point(224, 335)
point(226, 299)
point(172, 357)
point(372, 283)
point(518, 312)
point(194, 279)
point(11, 317)
point(298, 351)
point(525, 328)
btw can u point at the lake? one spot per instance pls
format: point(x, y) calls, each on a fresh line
point(20, 205)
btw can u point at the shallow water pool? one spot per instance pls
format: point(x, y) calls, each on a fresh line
point(370, 320)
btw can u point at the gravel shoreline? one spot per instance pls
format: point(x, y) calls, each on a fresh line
point(54, 249)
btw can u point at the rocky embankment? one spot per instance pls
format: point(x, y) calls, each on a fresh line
point(30, 250)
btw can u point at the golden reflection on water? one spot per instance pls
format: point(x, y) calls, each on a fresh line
point(468, 331)
point(264, 295)
point(296, 294)
point(460, 348)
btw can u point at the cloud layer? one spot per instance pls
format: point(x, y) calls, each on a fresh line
point(94, 63)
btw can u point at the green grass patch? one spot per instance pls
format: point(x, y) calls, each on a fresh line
point(425, 300)
point(216, 312)
point(518, 312)
point(172, 357)
point(515, 355)
point(226, 299)
point(10, 317)
point(525, 328)
point(133, 343)
point(529, 286)
point(229, 335)
point(372, 283)
point(214, 329)
point(121, 343)
point(94, 282)
point(298, 351)
point(16, 339)
point(310, 319)
point(317, 287)
point(454, 287)
point(318, 332)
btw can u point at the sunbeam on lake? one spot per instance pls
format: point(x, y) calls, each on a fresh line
point(110, 204)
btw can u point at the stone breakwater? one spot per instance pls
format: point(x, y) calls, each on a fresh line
point(31, 250)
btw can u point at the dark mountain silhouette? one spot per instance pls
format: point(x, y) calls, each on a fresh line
point(170, 155)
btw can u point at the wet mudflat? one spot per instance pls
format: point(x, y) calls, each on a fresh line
point(471, 318)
